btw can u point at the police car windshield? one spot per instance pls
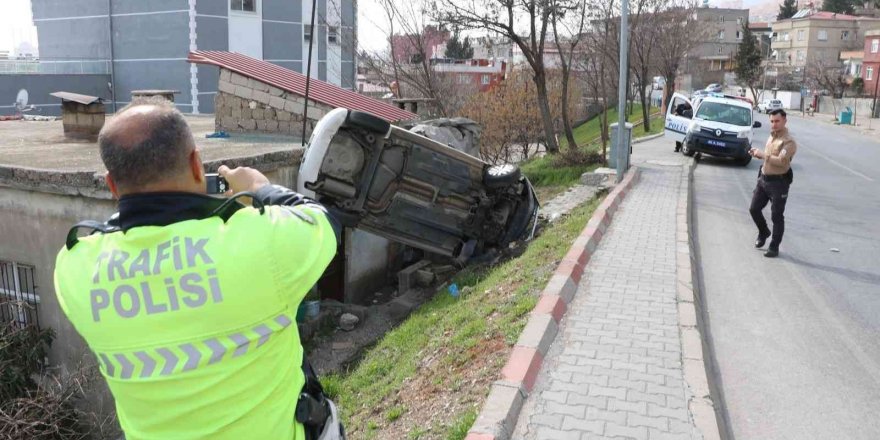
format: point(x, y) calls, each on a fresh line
point(725, 113)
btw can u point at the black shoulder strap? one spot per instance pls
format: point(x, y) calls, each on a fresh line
point(94, 226)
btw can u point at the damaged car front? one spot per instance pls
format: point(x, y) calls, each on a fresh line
point(414, 190)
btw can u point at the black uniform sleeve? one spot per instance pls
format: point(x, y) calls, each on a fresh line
point(279, 195)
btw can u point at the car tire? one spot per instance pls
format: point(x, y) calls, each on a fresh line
point(499, 176)
point(686, 150)
point(677, 147)
point(368, 122)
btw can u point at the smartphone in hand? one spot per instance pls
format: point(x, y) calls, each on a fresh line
point(216, 183)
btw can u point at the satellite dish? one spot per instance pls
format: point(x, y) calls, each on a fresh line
point(22, 98)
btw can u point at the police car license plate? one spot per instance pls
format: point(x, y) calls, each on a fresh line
point(716, 143)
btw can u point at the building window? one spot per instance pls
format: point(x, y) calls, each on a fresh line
point(800, 55)
point(18, 295)
point(823, 35)
point(484, 79)
point(720, 35)
point(844, 35)
point(801, 35)
point(858, 71)
point(785, 37)
point(720, 50)
point(875, 46)
point(739, 21)
point(243, 5)
point(332, 34)
point(739, 35)
point(869, 73)
point(307, 32)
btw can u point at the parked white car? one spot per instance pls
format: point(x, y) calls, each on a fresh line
point(769, 105)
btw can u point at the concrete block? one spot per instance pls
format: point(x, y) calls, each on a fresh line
point(261, 96)
point(406, 277)
point(225, 75)
point(500, 411)
point(294, 107)
point(552, 305)
point(270, 113)
point(275, 91)
point(687, 314)
point(248, 124)
point(691, 344)
point(236, 113)
point(283, 116)
point(226, 87)
point(247, 113)
point(283, 126)
point(239, 80)
point(258, 85)
point(562, 286)
point(539, 332)
point(244, 92)
point(271, 125)
point(277, 102)
point(258, 113)
point(261, 124)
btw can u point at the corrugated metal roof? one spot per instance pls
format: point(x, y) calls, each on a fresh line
point(295, 82)
point(76, 97)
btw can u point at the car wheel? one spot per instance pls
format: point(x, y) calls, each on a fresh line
point(686, 150)
point(368, 122)
point(499, 176)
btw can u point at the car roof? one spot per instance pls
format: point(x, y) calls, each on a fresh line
point(731, 101)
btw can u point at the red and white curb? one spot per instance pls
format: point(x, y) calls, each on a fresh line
point(501, 409)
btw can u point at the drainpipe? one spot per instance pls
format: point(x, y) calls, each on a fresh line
point(112, 74)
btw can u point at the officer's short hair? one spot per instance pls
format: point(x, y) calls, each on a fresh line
point(780, 112)
point(160, 152)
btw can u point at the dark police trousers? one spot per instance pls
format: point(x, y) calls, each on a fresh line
point(773, 189)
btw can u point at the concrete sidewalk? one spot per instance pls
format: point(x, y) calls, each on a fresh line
point(619, 367)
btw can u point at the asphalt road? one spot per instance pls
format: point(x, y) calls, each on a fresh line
point(796, 339)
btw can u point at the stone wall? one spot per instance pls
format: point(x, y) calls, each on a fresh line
point(246, 105)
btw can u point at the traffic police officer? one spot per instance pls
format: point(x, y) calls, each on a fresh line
point(189, 300)
point(774, 179)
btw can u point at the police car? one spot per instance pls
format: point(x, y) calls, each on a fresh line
point(714, 124)
point(412, 189)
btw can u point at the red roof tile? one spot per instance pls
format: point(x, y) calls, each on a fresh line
point(295, 82)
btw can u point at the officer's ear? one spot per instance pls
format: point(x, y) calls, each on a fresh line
point(196, 167)
point(112, 185)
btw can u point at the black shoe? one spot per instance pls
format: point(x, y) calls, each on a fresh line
point(771, 253)
point(759, 243)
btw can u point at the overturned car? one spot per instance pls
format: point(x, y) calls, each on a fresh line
point(414, 190)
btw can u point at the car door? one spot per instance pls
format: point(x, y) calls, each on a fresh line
point(678, 118)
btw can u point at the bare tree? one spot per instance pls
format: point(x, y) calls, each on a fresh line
point(407, 63)
point(643, 63)
point(571, 17)
point(827, 75)
point(677, 34)
point(503, 17)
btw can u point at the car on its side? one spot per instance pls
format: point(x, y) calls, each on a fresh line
point(412, 189)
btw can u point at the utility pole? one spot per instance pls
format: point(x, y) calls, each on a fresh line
point(622, 138)
point(312, 37)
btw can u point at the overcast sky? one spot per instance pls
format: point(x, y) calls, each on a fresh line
point(16, 24)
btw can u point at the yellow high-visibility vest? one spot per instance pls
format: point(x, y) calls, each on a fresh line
point(193, 324)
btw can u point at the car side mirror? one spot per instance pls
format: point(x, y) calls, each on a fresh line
point(757, 124)
point(688, 114)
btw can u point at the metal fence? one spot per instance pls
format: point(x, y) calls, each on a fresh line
point(18, 295)
point(55, 66)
